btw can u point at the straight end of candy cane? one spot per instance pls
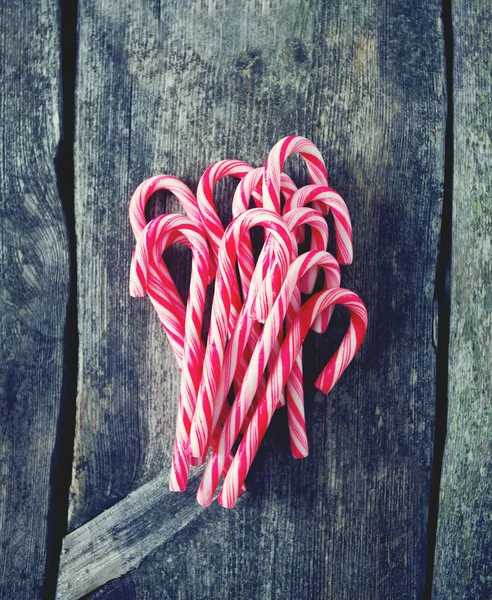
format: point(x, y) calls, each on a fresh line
point(177, 484)
point(206, 489)
point(308, 281)
point(225, 501)
point(325, 381)
point(296, 454)
point(230, 502)
point(203, 498)
point(345, 256)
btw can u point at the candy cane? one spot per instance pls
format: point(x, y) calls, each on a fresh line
point(212, 223)
point(297, 220)
point(284, 148)
point(248, 187)
point(350, 344)
point(324, 198)
point(237, 344)
point(274, 166)
point(144, 191)
point(221, 309)
point(154, 239)
point(246, 190)
point(219, 459)
point(215, 233)
point(172, 311)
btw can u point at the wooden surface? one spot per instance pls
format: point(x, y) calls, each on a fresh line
point(464, 544)
point(120, 538)
point(171, 88)
point(33, 292)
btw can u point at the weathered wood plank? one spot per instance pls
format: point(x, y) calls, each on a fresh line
point(33, 291)
point(117, 540)
point(171, 87)
point(463, 566)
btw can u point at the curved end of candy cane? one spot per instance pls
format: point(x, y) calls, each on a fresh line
point(136, 290)
point(325, 382)
point(322, 321)
point(345, 256)
point(308, 280)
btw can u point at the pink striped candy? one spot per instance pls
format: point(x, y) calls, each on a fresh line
point(219, 459)
point(157, 235)
point(221, 308)
point(338, 363)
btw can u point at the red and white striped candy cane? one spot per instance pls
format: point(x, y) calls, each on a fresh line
point(324, 199)
point(297, 220)
point(292, 144)
point(213, 225)
point(350, 344)
point(174, 315)
point(215, 232)
point(170, 308)
point(167, 302)
point(144, 191)
point(248, 188)
point(221, 308)
point(219, 460)
point(154, 239)
point(237, 345)
point(274, 166)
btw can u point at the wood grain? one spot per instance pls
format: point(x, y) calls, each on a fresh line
point(464, 542)
point(120, 538)
point(172, 87)
point(33, 290)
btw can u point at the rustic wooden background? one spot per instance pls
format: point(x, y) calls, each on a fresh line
point(394, 500)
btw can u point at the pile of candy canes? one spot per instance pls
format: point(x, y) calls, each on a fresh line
point(258, 322)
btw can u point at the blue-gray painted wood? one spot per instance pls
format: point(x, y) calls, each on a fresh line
point(172, 87)
point(463, 562)
point(120, 538)
point(34, 281)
